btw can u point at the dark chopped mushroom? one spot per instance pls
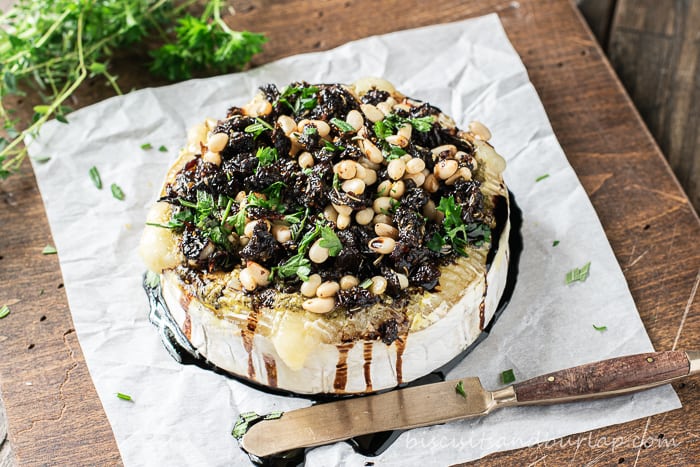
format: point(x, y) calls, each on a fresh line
point(389, 331)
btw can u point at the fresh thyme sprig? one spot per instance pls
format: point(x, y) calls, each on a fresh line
point(54, 46)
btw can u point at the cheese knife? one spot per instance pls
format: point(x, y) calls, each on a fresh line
point(459, 399)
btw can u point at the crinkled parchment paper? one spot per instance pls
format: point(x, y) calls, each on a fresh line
point(183, 415)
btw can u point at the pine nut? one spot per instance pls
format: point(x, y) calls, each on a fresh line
point(402, 106)
point(346, 169)
point(446, 150)
point(461, 156)
point(386, 230)
point(382, 245)
point(306, 160)
point(287, 124)
point(371, 151)
point(382, 219)
point(348, 282)
point(368, 164)
point(480, 130)
point(250, 227)
point(378, 286)
point(330, 213)
point(396, 169)
point(463, 173)
point(247, 280)
point(281, 233)
point(418, 179)
point(210, 123)
point(360, 171)
point(429, 210)
point(384, 188)
point(391, 101)
point(197, 134)
point(355, 119)
point(431, 184)
point(406, 130)
point(343, 209)
point(365, 216)
point(397, 189)
point(415, 165)
point(372, 113)
point(397, 140)
point(323, 128)
point(308, 288)
point(383, 204)
point(212, 157)
point(403, 280)
point(355, 185)
point(217, 142)
point(317, 253)
point(257, 107)
point(328, 289)
point(370, 177)
point(319, 305)
point(240, 196)
point(446, 168)
point(260, 274)
point(343, 221)
point(384, 107)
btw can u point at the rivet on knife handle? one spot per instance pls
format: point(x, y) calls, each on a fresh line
point(608, 377)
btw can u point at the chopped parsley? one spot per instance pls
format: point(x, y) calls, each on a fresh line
point(555, 243)
point(392, 122)
point(365, 284)
point(508, 376)
point(331, 241)
point(41, 159)
point(152, 279)
point(258, 127)
point(299, 98)
point(343, 126)
point(163, 148)
point(95, 177)
point(124, 397)
point(146, 146)
point(117, 192)
point(459, 389)
point(332, 147)
point(457, 233)
point(392, 152)
point(578, 274)
point(247, 419)
point(541, 177)
point(600, 328)
point(4, 311)
point(299, 265)
point(266, 156)
point(49, 250)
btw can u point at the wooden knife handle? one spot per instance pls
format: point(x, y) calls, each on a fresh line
point(608, 377)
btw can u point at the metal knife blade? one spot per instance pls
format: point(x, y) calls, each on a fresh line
point(441, 402)
point(401, 409)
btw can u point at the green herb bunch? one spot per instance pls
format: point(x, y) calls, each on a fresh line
point(54, 46)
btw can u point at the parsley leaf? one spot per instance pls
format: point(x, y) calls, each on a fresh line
point(459, 389)
point(117, 192)
point(457, 233)
point(555, 243)
point(342, 125)
point(162, 148)
point(422, 124)
point(146, 146)
point(332, 147)
point(508, 376)
point(578, 274)
point(95, 177)
point(600, 328)
point(266, 156)
point(258, 127)
point(4, 311)
point(331, 241)
point(299, 98)
point(124, 397)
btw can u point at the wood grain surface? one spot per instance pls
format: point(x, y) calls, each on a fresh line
point(54, 415)
point(607, 376)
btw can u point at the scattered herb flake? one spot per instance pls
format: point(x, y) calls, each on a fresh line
point(508, 376)
point(459, 389)
point(49, 250)
point(146, 146)
point(4, 311)
point(332, 147)
point(162, 148)
point(366, 284)
point(578, 274)
point(42, 159)
point(541, 177)
point(331, 241)
point(124, 397)
point(152, 279)
point(600, 328)
point(117, 192)
point(343, 126)
point(258, 127)
point(266, 156)
point(246, 419)
point(555, 243)
point(95, 177)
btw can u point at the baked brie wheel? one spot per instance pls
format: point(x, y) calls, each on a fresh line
point(329, 238)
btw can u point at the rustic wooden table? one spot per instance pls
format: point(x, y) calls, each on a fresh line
point(54, 416)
